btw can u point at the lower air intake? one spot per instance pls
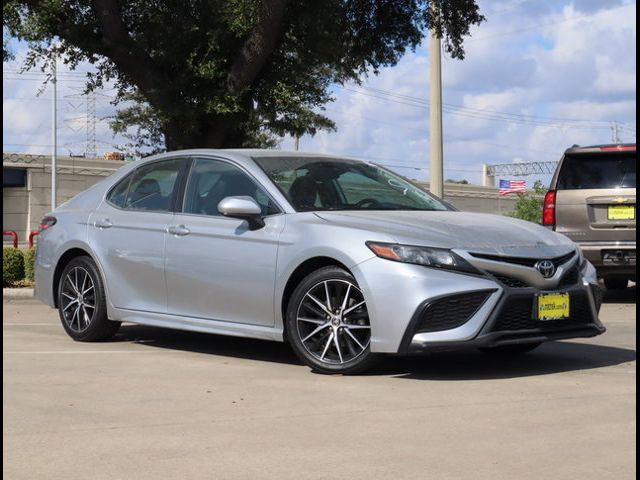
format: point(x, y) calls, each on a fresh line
point(451, 312)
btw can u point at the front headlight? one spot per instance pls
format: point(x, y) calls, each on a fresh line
point(427, 256)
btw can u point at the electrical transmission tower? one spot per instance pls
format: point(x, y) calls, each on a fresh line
point(85, 122)
point(490, 172)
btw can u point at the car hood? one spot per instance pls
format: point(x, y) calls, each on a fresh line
point(476, 232)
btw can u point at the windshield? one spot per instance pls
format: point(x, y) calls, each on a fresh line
point(314, 184)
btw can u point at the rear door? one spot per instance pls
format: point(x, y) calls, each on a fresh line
point(128, 233)
point(596, 196)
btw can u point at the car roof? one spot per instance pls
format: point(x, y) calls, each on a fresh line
point(246, 156)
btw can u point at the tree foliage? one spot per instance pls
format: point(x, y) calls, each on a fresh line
point(529, 205)
point(228, 73)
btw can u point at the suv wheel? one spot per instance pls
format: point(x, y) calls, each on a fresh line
point(616, 283)
point(81, 302)
point(328, 323)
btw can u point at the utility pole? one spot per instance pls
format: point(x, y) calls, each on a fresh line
point(437, 176)
point(615, 133)
point(54, 131)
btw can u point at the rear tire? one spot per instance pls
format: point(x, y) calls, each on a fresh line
point(82, 304)
point(616, 283)
point(512, 350)
point(328, 323)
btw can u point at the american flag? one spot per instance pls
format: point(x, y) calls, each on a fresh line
point(512, 186)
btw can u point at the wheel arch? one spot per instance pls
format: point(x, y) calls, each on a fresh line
point(301, 271)
point(63, 261)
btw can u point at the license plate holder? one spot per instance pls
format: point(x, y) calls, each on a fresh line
point(553, 306)
point(621, 212)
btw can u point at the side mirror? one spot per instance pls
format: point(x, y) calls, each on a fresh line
point(245, 208)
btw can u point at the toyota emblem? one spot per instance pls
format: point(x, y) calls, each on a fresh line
point(546, 268)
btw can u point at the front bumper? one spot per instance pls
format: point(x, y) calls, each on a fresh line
point(513, 321)
point(397, 295)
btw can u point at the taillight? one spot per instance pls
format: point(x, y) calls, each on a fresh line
point(47, 222)
point(549, 209)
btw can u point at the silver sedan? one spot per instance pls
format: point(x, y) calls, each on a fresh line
point(340, 258)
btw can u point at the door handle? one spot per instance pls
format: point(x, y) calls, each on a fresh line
point(103, 223)
point(178, 230)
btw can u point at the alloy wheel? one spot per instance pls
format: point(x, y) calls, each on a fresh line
point(78, 296)
point(333, 322)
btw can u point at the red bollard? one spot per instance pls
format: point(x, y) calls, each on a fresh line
point(31, 237)
point(13, 234)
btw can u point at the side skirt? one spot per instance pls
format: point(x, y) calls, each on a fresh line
point(199, 325)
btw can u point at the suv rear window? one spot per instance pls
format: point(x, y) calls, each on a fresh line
point(584, 171)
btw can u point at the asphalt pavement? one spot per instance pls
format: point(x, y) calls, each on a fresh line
point(155, 404)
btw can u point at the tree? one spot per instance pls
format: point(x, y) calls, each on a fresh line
point(224, 73)
point(464, 181)
point(529, 206)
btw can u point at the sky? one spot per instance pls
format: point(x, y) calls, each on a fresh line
point(538, 77)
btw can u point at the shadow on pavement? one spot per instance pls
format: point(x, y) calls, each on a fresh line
point(550, 358)
point(621, 296)
point(205, 343)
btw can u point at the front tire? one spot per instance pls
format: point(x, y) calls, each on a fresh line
point(328, 323)
point(82, 304)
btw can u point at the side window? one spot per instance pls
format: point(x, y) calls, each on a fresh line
point(152, 186)
point(212, 180)
point(118, 195)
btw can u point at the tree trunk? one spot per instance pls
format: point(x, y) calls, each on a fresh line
point(219, 131)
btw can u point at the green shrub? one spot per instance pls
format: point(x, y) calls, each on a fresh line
point(12, 266)
point(29, 264)
point(529, 206)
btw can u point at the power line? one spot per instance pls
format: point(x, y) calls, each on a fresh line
point(454, 137)
point(548, 24)
point(504, 117)
point(485, 110)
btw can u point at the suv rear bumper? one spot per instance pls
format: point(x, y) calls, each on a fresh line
point(624, 267)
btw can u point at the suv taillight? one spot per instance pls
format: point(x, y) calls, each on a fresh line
point(549, 209)
point(47, 222)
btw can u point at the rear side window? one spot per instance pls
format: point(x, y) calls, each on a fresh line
point(150, 187)
point(584, 171)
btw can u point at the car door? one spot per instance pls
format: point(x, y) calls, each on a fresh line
point(217, 268)
point(128, 233)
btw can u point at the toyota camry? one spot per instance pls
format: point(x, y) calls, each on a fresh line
point(341, 258)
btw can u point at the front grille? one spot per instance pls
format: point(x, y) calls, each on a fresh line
point(451, 312)
point(571, 277)
point(517, 313)
point(527, 262)
point(510, 282)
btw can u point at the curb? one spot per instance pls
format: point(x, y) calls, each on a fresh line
point(15, 293)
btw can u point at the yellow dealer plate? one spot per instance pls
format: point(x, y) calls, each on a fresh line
point(553, 306)
point(622, 212)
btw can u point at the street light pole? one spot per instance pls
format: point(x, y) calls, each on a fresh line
point(437, 176)
point(54, 132)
